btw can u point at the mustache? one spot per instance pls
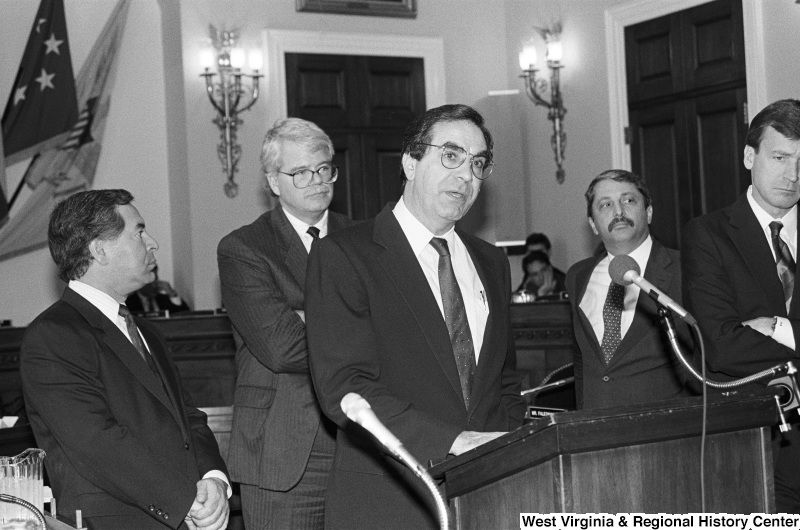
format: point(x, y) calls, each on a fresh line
point(620, 219)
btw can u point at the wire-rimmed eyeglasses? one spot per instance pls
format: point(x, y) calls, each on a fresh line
point(453, 157)
point(302, 179)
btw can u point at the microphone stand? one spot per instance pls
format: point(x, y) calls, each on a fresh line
point(783, 374)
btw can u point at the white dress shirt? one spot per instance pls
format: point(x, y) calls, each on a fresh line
point(469, 282)
point(110, 308)
point(596, 290)
point(302, 227)
point(783, 328)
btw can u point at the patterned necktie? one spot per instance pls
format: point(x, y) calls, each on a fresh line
point(612, 317)
point(455, 317)
point(784, 262)
point(136, 340)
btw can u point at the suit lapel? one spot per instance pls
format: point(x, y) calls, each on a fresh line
point(752, 244)
point(159, 355)
point(492, 334)
point(402, 267)
point(119, 345)
point(582, 277)
point(296, 257)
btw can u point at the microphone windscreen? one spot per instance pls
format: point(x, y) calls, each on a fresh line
point(619, 266)
point(352, 404)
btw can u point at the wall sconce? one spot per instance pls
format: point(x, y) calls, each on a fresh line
point(536, 88)
point(229, 96)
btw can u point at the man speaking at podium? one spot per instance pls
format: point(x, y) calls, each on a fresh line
point(739, 274)
point(623, 356)
point(124, 445)
point(413, 316)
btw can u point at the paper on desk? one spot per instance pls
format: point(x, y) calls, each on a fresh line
point(8, 421)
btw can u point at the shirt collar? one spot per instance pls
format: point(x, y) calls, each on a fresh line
point(301, 227)
point(418, 236)
point(640, 254)
point(764, 219)
point(102, 301)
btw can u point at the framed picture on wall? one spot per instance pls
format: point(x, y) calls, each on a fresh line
point(378, 8)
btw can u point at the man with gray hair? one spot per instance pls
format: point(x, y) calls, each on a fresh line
point(281, 447)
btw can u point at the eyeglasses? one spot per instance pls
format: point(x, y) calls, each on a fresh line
point(302, 179)
point(454, 156)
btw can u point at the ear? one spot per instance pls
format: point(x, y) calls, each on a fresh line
point(649, 213)
point(97, 248)
point(409, 166)
point(272, 182)
point(749, 155)
point(594, 227)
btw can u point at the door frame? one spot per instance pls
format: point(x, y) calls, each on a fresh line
point(635, 11)
point(279, 42)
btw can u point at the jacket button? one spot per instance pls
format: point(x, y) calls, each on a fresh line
point(151, 508)
point(186, 446)
point(166, 515)
point(606, 378)
point(159, 512)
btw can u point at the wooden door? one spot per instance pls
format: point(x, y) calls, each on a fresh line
point(687, 100)
point(364, 103)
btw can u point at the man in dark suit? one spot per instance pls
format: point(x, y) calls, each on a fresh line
point(123, 442)
point(281, 447)
point(413, 316)
point(622, 354)
point(739, 274)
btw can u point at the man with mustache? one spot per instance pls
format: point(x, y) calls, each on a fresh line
point(739, 274)
point(281, 447)
point(621, 354)
point(413, 315)
point(124, 443)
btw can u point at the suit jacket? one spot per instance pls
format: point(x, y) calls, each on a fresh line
point(374, 328)
point(118, 443)
point(262, 268)
point(730, 277)
point(644, 367)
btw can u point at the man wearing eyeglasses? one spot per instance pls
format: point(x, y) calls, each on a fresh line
point(412, 314)
point(281, 446)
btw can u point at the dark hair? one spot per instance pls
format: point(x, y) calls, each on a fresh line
point(79, 219)
point(419, 133)
point(783, 116)
point(530, 257)
point(617, 175)
point(537, 238)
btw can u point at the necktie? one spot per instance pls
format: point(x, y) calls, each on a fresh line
point(612, 316)
point(136, 340)
point(313, 231)
point(784, 262)
point(455, 317)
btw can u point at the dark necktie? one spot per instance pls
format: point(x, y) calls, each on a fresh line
point(313, 231)
point(784, 262)
point(136, 340)
point(455, 317)
point(612, 317)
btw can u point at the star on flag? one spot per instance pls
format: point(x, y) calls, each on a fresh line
point(19, 95)
point(45, 80)
point(52, 44)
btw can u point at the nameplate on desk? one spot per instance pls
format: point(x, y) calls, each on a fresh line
point(541, 412)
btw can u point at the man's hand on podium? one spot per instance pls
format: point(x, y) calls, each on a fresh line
point(471, 439)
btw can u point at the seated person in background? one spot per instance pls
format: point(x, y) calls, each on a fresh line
point(622, 354)
point(540, 242)
point(540, 278)
point(157, 295)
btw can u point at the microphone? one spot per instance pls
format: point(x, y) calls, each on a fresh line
point(358, 410)
point(624, 270)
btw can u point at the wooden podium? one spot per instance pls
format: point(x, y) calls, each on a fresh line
point(638, 458)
